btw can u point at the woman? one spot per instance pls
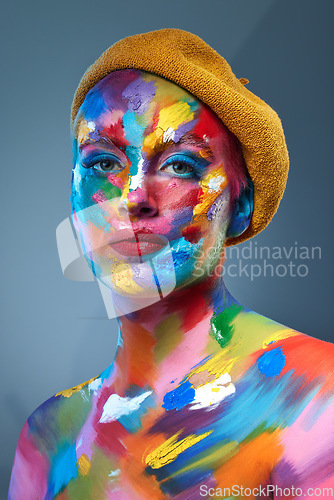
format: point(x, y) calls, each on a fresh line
point(173, 159)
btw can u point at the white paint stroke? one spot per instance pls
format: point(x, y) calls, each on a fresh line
point(117, 406)
point(213, 393)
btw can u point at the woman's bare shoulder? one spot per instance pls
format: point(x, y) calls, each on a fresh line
point(298, 354)
point(280, 349)
point(48, 435)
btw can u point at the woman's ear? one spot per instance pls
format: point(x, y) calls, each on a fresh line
point(241, 212)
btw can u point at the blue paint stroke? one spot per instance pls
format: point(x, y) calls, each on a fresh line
point(64, 469)
point(179, 397)
point(271, 363)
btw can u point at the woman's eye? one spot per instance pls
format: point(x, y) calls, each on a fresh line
point(104, 164)
point(182, 168)
point(107, 165)
point(178, 168)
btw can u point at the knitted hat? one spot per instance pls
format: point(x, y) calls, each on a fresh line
point(188, 61)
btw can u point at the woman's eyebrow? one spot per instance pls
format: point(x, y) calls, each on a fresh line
point(191, 139)
point(103, 141)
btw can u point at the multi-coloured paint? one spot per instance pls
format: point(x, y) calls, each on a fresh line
point(144, 146)
point(202, 390)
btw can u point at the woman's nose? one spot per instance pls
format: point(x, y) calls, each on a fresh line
point(139, 203)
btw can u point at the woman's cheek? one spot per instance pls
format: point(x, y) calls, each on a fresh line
point(94, 197)
point(178, 194)
point(180, 197)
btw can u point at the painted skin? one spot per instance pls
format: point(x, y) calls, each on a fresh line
point(164, 176)
point(202, 390)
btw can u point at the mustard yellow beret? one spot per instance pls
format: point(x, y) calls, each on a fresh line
point(188, 61)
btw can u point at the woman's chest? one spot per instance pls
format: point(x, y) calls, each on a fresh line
point(175, 453)
point(130, 447)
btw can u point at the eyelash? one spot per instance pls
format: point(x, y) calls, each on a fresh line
point(175, 160)
point(180, 160)
point(93, 162)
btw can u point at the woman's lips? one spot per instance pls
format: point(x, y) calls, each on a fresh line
point(136, 243)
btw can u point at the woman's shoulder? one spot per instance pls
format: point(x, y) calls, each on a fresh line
point(302, 353)
point(283, 351)
point(48, 437)
point(307, 439)
point(307, 359)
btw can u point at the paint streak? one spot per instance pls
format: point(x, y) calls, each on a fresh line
point(213, 393)
point(99, 196)
point(84, 465)
point(168, 335)
point(271, 363)
point(83, 131)
point(117, 406)
point(192, 233)
point(170, 118)
point(64, 469)
point(250, 475)
point(280, 335)
point(68, 392)
point(222, 325)
point(139, 95)
point(172, 449)
point(179, 397)
point(211, 187)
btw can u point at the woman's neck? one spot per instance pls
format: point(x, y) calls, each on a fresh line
point(162, 342)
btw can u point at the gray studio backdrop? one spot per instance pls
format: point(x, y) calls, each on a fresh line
point(55, 333)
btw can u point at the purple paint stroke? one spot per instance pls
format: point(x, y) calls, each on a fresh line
point(310, 475)
point(94, 136)
point(191, 420)
point(284, 474)
point(183, 129)
point(139, 94)
point(320, 469)
point(215, 207)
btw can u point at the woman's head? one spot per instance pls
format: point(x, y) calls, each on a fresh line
point(155, 173)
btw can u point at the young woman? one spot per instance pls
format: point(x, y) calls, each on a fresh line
point(173, 160)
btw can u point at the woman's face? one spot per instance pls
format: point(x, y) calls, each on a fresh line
point(150, 195)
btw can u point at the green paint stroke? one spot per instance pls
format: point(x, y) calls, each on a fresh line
point(260, 429)
point(222, 327)
point(168, 334)
point(110, 191)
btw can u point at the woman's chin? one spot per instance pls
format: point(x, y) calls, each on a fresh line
point(140, 284)
point(155, 278)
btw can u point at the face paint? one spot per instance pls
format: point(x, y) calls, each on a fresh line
point(148, 180)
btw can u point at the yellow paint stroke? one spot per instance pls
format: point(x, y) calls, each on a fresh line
point(217, 365)
point(172, 448)
point(122, 277)
point(280, 335)
point(83, 131)
point(205, 153)
point(212, 185)
point(253, 332)
point(84, 465)
point(170, 118)
point(68, 392)
point(176, 114)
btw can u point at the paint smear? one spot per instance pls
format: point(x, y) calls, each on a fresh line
point(171, 449)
